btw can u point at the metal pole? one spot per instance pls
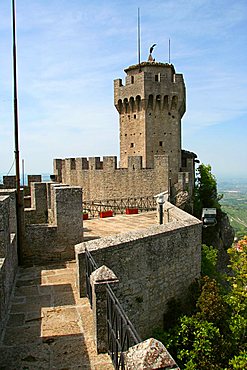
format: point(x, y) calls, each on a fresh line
point(161, 213)
point(169, 51)
point(139, 40)
point(17, 160)
point(23, 174)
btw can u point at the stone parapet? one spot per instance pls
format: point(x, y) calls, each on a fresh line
point(153, 266)
point(103, 180)
point(38, 212)
point(8, 252)
point(149, 355)
point(51, 233)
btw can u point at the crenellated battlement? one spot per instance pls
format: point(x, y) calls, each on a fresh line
point(102, 179)
point(108, 163)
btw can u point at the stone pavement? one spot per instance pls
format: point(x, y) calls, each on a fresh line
point(100, 227)
point(49, 327)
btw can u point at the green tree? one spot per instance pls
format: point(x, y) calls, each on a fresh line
point(200, 344)
point(214, 337)
point(209, 261)
point(237, 297)
point(205, 193)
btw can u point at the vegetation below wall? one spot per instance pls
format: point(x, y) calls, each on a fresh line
point(213, 334)
point(210, 332)
point(206, 195)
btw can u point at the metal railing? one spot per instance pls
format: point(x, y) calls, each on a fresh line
point(91, 266)
point(120, 331)
point(118, 206)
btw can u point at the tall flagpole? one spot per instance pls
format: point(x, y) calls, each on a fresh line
point(169, 51)
point(139, 39)
point(16, 132)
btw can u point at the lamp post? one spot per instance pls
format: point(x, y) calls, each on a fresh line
point(161, 199)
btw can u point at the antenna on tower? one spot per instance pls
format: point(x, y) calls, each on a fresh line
point(169, 51)
point(139, 38)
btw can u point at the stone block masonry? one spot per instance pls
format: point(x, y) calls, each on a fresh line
point(53, 239)
point(150, 106)
point(37, 213)
point(102, 180)
point(8, 251)
point(9, 182)
point(153, 266)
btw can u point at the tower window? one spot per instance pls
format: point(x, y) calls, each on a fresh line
point(132, 79)
point(160, 143)
point(134, 116)
point(132, 145)
point(157, 77)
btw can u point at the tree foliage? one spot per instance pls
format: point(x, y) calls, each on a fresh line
point(205, 193)
point(209, 261)
point(214, 336)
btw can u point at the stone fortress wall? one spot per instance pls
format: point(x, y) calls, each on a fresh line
point(153, 266)
point(102, 180)
point(53, 223)
point(8, 250)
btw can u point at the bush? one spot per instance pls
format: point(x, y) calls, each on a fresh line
point(214, 337)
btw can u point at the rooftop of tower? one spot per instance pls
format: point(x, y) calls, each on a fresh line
point(149, 64)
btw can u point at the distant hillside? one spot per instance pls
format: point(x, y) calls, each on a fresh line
point(234, 203)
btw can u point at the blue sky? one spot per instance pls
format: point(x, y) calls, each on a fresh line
point(69, 53)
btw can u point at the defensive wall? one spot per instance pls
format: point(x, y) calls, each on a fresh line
point(51, 219)
point(53, 224)
point(153, 266)
point(102, 180)
point(8, 250)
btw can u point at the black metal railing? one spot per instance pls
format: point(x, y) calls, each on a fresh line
point(118, 206)
point(91, 266)
point(121, 333)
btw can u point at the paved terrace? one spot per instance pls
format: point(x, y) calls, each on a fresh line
point(49, 327)
point(102, 227)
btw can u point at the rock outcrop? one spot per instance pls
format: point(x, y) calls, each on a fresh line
point(220, 236)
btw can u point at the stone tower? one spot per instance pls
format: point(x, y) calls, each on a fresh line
point(151, 105)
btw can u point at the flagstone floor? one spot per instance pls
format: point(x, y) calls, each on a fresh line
point(49, 327)
point(102, 227)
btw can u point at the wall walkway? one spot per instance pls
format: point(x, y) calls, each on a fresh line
point(48, 326)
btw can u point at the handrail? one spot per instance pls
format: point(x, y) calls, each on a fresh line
point(121, 332)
